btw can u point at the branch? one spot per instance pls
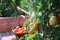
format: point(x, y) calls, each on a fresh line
point(23, 10)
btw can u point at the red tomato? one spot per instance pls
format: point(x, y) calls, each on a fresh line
point(31, 32)
point(37, 26)
point(21, 30)
point(17, 27)
point(15, 30)
point(59, 17)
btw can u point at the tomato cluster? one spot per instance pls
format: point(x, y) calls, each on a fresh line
point(19, 30)
point(36, 26)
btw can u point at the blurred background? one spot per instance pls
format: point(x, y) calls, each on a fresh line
point(8, 8)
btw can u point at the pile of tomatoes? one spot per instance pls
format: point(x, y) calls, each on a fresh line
point(19, 30)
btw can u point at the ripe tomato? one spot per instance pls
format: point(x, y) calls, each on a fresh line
point(21, 30)
point(31, 31)
point(58, 17)
point(15, 30)
point(37, 26)
point(17, 27)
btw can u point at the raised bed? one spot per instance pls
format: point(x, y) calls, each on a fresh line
point(7, 23)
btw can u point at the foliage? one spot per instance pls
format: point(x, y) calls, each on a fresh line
point(43, 10)
point(9, 8)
